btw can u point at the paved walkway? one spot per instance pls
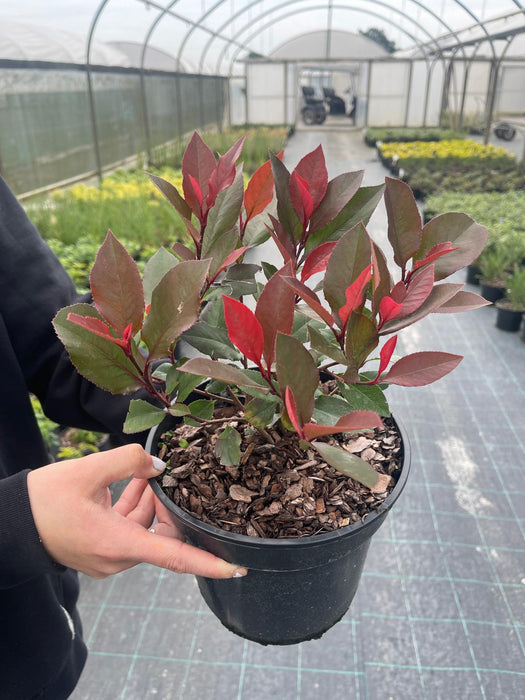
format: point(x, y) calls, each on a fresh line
point(440, 613)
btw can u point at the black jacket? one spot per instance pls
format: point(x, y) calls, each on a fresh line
point(41, 647)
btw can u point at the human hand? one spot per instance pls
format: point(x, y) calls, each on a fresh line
point(79, 528)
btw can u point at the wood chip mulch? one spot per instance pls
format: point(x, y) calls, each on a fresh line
point(279, 489)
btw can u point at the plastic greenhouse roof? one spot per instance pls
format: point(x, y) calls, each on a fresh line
point(210, 35)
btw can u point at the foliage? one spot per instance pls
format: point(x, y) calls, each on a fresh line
point(125, 197)
point(259, 140)
point(431, 179)
point(445, 154)
point(379, 36)
point(404, 134)
point(515, 291)
point(48, 428)
point(504, 216)
point(332, 310)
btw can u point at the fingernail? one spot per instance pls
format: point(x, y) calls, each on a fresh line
point(240, 572)
point(158, 464)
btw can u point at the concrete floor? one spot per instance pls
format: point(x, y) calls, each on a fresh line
point(440, 613)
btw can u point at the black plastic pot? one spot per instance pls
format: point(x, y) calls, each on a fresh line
point(473, 273)
point(491, 292)
point(508, 319)
point(296, 589)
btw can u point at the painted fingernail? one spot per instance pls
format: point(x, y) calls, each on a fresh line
point(158, 464)
point(240, 572)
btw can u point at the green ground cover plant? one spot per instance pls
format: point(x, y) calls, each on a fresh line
point(503, 213)
point(462, 154)
point(86, 211)
point(404, 134)
point(259, 140)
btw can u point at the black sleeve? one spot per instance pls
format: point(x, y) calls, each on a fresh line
point(33, 287)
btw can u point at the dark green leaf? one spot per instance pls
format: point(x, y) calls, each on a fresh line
point(172, 195)
point(142, 416)
point(204, 367)
point(359, 209)
point(339, 192)
point(260, 412)
point(268, 269)
point(102, 362)
point(228, 447)
point(350, 257)
point(347, 464)
point(155, 269)
point(223, 216)
point(178, 410)
point(296, 369)
point(325, 346)
point(175, 305)
point(211, 340)
point(366, 398)
point(286, 213)
point(328, 409)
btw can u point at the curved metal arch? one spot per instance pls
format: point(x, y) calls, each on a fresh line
point(301, 10)
point(285, 4)
point(198, 23)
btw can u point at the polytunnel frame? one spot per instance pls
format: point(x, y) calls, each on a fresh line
point(198, 23)
point(332, 6)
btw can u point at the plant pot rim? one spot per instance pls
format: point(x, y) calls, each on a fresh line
point(504, 305)
point(288, 542)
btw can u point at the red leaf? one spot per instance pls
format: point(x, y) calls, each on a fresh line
point(244, 330)
point(275, 310)
point(462, 301)
point(232, 257)
point(291, 409)
point(259, 191)
point(283, 241)
point(388, 309)
point(421, 368)
point(356, 420)
point(199, 162)
point(317, 260)
point(193, 195)
point(354, 294)
point(301, 198)
point(182, 251)
point(311, 299)
point(96, 326)
point(385, 354)
point(116, 285)
point(312, 169)
point(418, 290)
point(224, 173)
point(433, 254)
point(399, 292)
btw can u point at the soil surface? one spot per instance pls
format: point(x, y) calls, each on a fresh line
point(279, 489)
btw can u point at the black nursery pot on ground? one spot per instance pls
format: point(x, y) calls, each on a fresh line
point(296, 589)
point(508, 319)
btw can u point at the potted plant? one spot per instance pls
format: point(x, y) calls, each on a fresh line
point(282, 454)
point(494, 265)
point(511, 308)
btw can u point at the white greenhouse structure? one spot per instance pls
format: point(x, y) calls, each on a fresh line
point(89, 88)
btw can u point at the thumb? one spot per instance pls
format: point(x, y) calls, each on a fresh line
point(109, 466)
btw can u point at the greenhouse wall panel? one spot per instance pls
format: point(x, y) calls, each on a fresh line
point(388, 94)
point(266, 85)
point(47, 133)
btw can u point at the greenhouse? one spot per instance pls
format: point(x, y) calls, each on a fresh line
point(269, 214)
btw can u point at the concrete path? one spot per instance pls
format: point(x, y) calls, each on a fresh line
point(440, 613)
